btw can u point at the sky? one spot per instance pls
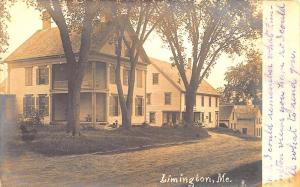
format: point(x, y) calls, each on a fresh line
point(26, 20)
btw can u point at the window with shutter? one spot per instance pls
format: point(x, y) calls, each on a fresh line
point(125, 76)
point(152, 117)
point(114, 105)
point(28, 105)
point(43, 105)
point(167, 98)
point(112, 75)
point(139, 78)
point(148, 98)
point(139, 106)
point(111, 105)
point(202, 100)
point(37, 104)
point(202, 116)
point(28, 76)
point(42, 75)
point(155, 78)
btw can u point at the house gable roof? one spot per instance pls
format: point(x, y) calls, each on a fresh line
point(242, 112)
point(245, 112)
point(172, 74)
point(47, 43)
point(225, 111)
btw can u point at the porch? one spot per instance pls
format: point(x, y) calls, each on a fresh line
point(92, 107)
point(95, 76)
point(171, 117)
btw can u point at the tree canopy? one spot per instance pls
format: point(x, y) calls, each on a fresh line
point(244, 81)
point(4, 18)
point(207, 29)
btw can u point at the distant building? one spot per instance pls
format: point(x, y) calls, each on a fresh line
point(243, 118)
point(166, 97)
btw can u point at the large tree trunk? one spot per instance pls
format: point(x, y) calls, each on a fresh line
point(74, 87)
point(190, 96)
point(129, 100)
point(74, 109)
point(126, 118)
point(126, 122)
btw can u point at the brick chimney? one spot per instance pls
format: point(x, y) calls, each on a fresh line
point(46, 18)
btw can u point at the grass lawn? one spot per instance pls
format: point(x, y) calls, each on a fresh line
point(231, 132)
point(52, 140)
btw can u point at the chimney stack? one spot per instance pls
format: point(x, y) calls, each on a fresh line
point(46, 18)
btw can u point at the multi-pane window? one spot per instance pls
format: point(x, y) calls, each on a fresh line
point(112, 74)
point(125, 77)
point(139, 78)
point(43, 104)
point(42, 75)
point(155, 78)
point(28, 76)
point(152, 117)
point(202, 100)
point(114, 105)
point(209, 117)
point(148, 98)
point(209, 101)
point(139, 106)
point(216, 102)
point(202, 116)
point(168, 98)
point(28, 105)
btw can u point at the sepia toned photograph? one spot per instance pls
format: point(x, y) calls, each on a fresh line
point(131, 93)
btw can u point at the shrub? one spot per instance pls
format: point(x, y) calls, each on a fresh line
point(27, 133)
point(145, 124)
point(28, 125)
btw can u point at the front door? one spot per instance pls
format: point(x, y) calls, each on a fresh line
point(197, 116)
point(217, 118)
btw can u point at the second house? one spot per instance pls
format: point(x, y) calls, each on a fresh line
point(166, 97)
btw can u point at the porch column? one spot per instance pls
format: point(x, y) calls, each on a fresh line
point(145, 97)
point(93, 108)
point(50, 108)
point(93, 74)
point(94, 102)
point(50, 77)
point(107, 92)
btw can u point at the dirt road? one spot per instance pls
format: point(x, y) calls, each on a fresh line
point(140, 168)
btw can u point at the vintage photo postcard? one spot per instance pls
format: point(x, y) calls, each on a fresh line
point(149, 93)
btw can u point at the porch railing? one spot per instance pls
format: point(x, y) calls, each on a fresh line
point(62, 85)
